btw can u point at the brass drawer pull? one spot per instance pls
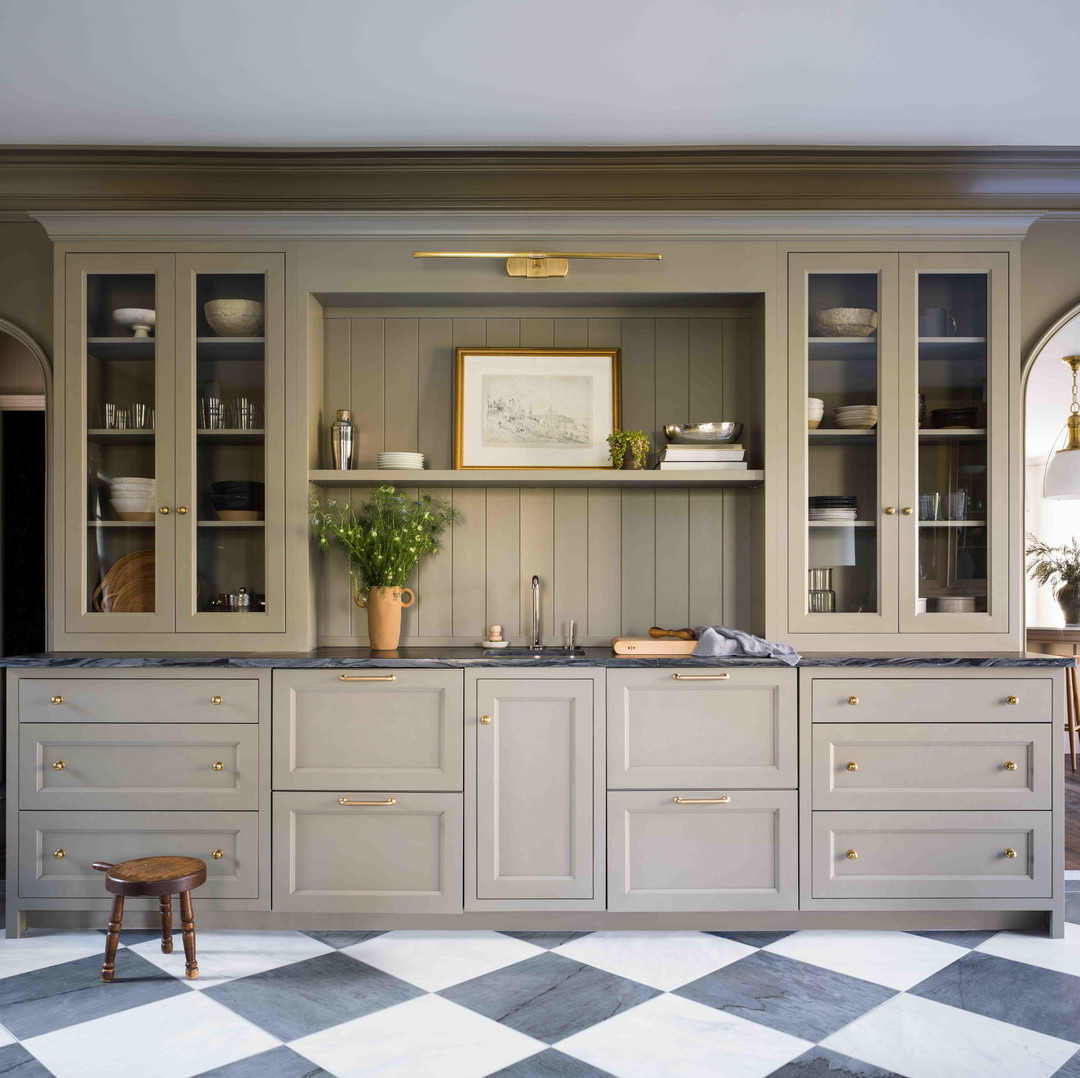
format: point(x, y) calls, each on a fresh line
point(701, 800)
point(217, 855)
point(853, 700)
point(219, 766)
point(1009, 765)
point(1010, 853)
point(59, 854)
point(700, 677)
point(346, 801)
point(485, 720)
point(57, 700)
point(1012, 699)
point(367, 677)
point(215, 700)
point(851, 855)
point(852, 765)
point(59, 765)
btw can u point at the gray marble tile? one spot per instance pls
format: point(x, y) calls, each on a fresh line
point(17, 1062)
point(793, 997)
point(343, 939)
point(1070, 1070)
point(48, 999)
point(277, 1063)
point(821, 1063)
point(1072, 907)
point(304, 997)
point(549, 997)
point(1014, 992)
point(551, 1064)
point(970, 940)
point(546, 939)
point(751, 939)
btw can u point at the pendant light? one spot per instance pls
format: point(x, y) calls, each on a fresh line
point(1061, 477)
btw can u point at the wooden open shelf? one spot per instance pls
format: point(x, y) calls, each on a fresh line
point(538, 477)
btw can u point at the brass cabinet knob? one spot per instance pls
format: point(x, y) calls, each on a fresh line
point(164, 510)
point(486, 720)
point(1010, 853)
point(219, 766)
point(59, 765)
point(59, 854)
point(1012, 699)
point(852, 765)
point(57, 700)
point(215, 699)
point(889, 510)
point(217, 855)
point(907, 510)
point(851, 855)
point(853, 700)
point(1009, 765)
point(182, 510)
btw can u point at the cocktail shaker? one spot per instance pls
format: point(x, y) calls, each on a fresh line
point(341, 440)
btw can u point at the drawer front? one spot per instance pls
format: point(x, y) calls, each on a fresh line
point(86, 837)
point(932, 765)
point(705, 728)
point(401, 858)
point(932, 854)
point(133, 766)
point(369, 734)
point(741, 854)
point(138, 700)
point(932, 700)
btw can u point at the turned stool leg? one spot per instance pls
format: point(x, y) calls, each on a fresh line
point(165, 902)
point(187, 924)
point(112, 940)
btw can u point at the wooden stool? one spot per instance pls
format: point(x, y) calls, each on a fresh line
point(160, 878)
point(1072, 709)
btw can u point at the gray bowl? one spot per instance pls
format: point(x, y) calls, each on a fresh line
point(689, 433)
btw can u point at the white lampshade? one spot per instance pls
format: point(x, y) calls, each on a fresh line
point(1062, 476)
point(832, 546)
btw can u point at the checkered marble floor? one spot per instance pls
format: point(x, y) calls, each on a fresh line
point(546, 1005)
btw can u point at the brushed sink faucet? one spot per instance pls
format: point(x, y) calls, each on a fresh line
point(534, 641)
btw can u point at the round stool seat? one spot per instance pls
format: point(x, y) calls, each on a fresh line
point(155, 876)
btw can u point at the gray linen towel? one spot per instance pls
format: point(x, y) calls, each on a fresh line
point(716, 641)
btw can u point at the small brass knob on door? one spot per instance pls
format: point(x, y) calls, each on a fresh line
point(219, 766)
point(853, 700)
point(1012, 699)
point(182, 510)
point(889, 510)
point(852, 765)
point(907, 510)
point(59, 765)
point(59, 854)
point(57, 700)
point(215, 699)
point(1010, 853)
point(851, 855)
point(164, 510)
point(485, 720)
point(1009, 765)
point(217, 855)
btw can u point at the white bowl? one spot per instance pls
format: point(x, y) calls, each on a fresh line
point(235, 317)
point(140, 319)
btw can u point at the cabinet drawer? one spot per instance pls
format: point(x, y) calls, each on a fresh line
point(932, 700)
point(742, 854)
point(401, 858)
point(932, 854)
point(682, 728)
point(135, 766)
point(138, 700)
point(932, 765)
point(86, 837)
point(392, 729)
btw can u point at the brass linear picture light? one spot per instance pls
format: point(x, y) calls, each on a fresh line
point(534, 263)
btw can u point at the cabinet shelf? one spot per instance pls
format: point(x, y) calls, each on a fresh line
point(137, 348)
point(252, 436)
point(120, 523)
point(128, 436)
point(952, 523)
point(235, 348)
point(232, 523)
point(539, 477)
point(927, 436)
point(842, 523)
point(866, 348)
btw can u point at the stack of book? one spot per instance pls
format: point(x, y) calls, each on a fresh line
point(702, 455)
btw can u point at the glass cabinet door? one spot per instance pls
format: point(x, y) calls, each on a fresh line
point(843, 514)
point(230, 443)
point(954, 443)
point(119, 442)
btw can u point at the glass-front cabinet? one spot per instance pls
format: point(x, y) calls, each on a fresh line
point(175, 519)
point(899, 417)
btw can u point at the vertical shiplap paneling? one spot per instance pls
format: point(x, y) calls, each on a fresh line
point(673, 578)
point(470, 563)
point(571, 569)
point(706, 538)
point(574, 333)
point(706, 343)
point(503, 333)
point(410, 615)
point(639, 375)
point(435, 602)
point(401, 378)
point(435, 379)
point(537, 554)
point(638, 561)
point(368, 389)
point(337, 358)
point(605, 562)
point(537, 333)
point(672, 373)
point(503, 553)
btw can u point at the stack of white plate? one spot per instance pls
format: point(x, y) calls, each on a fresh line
point(133, 497)
point(401, 461)
point(815, 409)
point(839, 515)
point(953, 604)
point(856, 416)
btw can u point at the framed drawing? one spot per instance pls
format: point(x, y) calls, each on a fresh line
point(535, 407)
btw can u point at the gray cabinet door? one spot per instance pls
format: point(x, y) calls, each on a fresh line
point(130, 766)
point(688, 728)
point(741, 854)
point(368, 729)
point(932, 765)
point(57, 849)
point(534, 796)
point(404, 857)
point(932, 854)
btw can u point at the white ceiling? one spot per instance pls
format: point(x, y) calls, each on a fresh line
point(538, 72)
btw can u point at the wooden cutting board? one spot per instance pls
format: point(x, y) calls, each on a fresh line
point(638, 645)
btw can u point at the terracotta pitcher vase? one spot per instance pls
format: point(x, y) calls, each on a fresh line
point(384, 606)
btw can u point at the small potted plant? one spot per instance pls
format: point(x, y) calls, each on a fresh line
point(1058, 566)
point(384, 539)
point(632, 442)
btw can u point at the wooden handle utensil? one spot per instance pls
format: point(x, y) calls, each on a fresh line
point(671, 634)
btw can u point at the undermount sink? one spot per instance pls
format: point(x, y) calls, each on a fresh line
point(534, 653)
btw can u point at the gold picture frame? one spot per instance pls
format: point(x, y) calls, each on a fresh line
point(554, 437)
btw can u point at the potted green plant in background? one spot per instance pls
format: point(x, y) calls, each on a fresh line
point(1058, 566)
point(384, 539)
point(622, 442)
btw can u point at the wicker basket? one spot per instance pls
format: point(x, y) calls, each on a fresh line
point(128, 586)
point(844, 322)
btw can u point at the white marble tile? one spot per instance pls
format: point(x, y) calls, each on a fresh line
point(223, 956)
point(425, 1036)
point(670, 1035)
point(173, 1038)
point(896, 959)
point(664, 960)
point(436, 960)
point(922, 1039)
point(41, 949)
point(1037, 950)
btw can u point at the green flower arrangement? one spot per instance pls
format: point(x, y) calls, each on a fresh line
point(634, 442)
point(383, 537)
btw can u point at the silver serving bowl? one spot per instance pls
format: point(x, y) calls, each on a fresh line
point(689, 433)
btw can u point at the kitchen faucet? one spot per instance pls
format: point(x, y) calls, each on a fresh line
point(535, 640)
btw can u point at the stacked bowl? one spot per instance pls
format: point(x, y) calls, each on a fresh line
point(952, 418)
point(132, 497)
point(401, 461)
point(238, 499)
point(856, 416)
point(815, 409)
